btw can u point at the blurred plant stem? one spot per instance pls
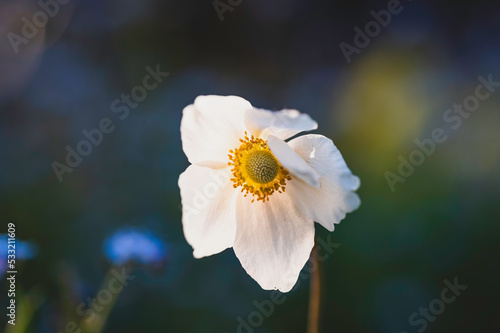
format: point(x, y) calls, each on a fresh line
point(315, 292)
point(98, 322)
point(27, 305)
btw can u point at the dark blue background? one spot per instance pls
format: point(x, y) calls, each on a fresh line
point(396, 250)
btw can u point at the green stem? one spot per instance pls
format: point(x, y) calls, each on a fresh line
point(98, 322)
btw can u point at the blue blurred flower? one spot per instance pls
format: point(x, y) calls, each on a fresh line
point(23, 251)
point(136, 245)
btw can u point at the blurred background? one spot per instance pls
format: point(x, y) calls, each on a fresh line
point(118, 210)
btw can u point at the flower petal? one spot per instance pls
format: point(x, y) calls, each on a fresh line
point(212, 126)
point(292, 161)
point(282, 124)
point(335, 197)
point(273, 241)
point(208, 209)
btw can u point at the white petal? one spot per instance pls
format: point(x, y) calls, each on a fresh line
point(212, 126)
point(208, 209)
point(282, 124)
point(335, 197)
point(273, 241)
point(292, 161)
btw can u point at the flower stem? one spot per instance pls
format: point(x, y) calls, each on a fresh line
point(315, 292)
point(100, 317)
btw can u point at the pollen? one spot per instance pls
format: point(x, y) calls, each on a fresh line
point(256, 170)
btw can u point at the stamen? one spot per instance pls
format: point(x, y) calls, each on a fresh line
point(256, 169)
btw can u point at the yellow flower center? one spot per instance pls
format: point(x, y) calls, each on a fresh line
point(256, 169)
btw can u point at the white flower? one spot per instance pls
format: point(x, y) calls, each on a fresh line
point(249, 189)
